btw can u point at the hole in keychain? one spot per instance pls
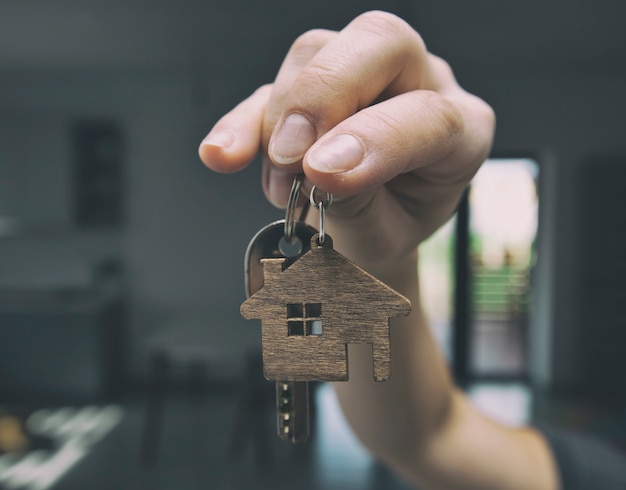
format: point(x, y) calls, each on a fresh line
point(291, 248)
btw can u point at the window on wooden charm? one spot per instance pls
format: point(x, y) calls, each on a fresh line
point(304, 319)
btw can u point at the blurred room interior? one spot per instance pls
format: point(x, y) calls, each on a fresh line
point(124, 362)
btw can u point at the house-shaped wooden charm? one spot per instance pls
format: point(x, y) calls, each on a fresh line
point(311, 310)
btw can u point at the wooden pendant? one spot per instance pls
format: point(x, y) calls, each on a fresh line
point(312, 309)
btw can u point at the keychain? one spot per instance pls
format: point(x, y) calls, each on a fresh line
point(312, 302)
point(288, 239)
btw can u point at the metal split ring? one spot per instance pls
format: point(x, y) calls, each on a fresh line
point(290, 221)
point(322, 206)
point(317, 205)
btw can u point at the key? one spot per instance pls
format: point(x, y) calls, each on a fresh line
point(292, 397)
point(312, 302)
point(292, 410)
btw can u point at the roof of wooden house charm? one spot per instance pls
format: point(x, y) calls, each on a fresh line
point(310, 311)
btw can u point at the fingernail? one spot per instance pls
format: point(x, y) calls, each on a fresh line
point(294, 138)
point(221, 137)
point(337, 154)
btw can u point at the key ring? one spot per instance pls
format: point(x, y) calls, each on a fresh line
point(321, 206)
point(290, 220)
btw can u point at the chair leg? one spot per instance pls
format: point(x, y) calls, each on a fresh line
point(251, 415)
point(154, 406)
point(197, 382)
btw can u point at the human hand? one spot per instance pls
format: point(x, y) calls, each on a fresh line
point(371, 116)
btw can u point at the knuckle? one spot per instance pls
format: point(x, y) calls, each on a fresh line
point(441, 68)
point(388, 25)
point(380, 21)
point(483, 120)
point(329, 83)
point(329, 77)
point(488, 118)
point(311, 41)
point(487, 115)
point(263, 90)
point(447, 114)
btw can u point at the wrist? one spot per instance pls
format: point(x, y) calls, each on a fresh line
point(397, 272)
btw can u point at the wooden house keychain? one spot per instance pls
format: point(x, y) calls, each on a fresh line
point(312, 302)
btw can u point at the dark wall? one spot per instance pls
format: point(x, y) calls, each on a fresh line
point(165, 71)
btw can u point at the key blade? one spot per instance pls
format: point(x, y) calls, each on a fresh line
point(292, 410)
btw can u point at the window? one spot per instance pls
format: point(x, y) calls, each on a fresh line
point(304, 319)
point(503, 222)
point(476, 272)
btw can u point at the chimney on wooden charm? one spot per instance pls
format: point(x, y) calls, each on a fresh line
point(272, 268)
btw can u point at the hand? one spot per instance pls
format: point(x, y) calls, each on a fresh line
point(371, 116)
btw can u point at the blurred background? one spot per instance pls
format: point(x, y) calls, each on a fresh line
point(124, 362)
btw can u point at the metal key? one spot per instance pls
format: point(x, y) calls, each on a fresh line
point(292, 397)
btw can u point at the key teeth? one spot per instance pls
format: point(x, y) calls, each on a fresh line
point(292, 406)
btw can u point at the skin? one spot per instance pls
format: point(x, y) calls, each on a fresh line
point(369, 115)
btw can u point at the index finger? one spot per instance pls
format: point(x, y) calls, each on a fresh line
point(360, 65)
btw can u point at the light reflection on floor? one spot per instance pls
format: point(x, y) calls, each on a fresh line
point(74, 432)
point(337, 459)
point(338, 453)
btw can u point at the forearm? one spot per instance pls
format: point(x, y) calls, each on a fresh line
point(421, 425)
point(395, 418)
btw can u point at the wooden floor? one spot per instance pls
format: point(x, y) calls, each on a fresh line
point(191, 442)
point(193, 448)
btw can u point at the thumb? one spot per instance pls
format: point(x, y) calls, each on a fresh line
point(408, 132)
